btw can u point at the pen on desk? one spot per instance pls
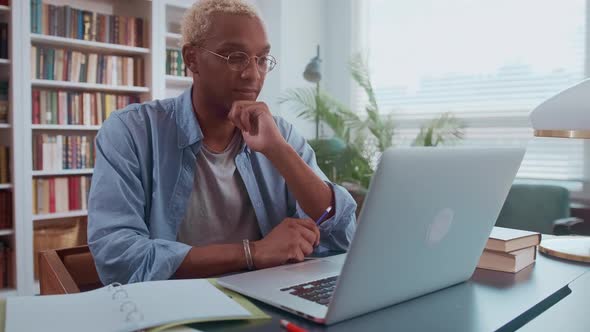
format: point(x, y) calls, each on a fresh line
point(290, 327)
point(323, 216)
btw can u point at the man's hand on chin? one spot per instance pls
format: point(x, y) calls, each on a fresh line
point(257, 125)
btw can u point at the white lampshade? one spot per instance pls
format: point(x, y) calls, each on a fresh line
point(567, 114)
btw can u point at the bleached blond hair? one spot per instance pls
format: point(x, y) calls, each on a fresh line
point(197, 20)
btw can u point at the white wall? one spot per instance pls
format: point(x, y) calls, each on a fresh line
point(295, 29)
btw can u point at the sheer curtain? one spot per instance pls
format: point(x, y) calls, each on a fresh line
point(489, 62)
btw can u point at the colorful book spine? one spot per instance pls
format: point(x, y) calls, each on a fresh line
point(60, 194)
point(60, 107)
point(66, 21)
point(68, 65)
point(62, 152)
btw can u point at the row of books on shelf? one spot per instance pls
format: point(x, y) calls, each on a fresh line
point(69, 22)
point(5, 209)
point(3, 101)
point(509, 250)
point(4, 164)
point(60, 194)
point(174, 63)
point(76, 108)
point(74, 66)
point(3, 40)
point(61, 152)
point(4, 2)
point(6, 265)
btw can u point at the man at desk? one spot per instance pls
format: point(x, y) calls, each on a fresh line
point(210, 182)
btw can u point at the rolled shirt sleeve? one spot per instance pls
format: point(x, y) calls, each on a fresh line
point(118, 235)
point(337, 232)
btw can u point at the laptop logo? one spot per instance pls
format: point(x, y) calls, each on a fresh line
point(439, 228)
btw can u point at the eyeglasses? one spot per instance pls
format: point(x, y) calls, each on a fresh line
point(238, 61)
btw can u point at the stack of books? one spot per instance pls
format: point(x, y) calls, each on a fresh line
point(509, 250)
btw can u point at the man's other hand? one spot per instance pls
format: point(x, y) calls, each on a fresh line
point(290, 241)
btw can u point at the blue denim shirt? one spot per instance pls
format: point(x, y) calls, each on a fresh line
point(143, 177)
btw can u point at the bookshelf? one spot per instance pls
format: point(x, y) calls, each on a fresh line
point(178, 81)
point(4, 232)
point(87, 45)
point(51, 127)
point(161, 33)
point(38, 83)
point(174, 11)
point(61, 215)
point(7, 190)
point(21, 130)
point(84, 171)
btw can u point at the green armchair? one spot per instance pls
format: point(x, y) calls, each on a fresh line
point(538, 208)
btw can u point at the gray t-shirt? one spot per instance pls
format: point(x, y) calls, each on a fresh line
point(219, 209)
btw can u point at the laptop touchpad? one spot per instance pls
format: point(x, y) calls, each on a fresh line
point(316, 266)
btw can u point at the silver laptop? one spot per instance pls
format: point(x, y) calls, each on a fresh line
point(423, 226)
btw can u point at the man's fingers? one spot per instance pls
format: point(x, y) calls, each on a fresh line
point(307, 234)
point(310, 224)
point(244, 118)
point(306, 247)
point(236, 112)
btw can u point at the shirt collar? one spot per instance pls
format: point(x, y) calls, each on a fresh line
point(188, 129)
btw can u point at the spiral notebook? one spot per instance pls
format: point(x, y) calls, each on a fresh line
point(130, 307)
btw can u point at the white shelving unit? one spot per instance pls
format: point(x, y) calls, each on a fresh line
point(172, 37)
point(65, 127)
point(8, 73)
point(173, 9)
point(61, 215)
point(64, 172)
point(37, 83)
point(21, 130)
point(62, 42)
point(179, 81)
point(163, 17)
point(8, 292)
point(4, 232)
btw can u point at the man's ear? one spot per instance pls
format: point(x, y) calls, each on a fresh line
point(189, 55)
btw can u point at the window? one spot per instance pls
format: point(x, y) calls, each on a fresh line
point(489, 62)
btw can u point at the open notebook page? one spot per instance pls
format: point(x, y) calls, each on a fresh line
point(125, 308)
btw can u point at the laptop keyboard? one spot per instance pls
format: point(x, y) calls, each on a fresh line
point(318, 291)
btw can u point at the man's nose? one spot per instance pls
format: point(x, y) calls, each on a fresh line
point(251, 72)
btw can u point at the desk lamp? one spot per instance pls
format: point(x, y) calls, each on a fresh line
point(565, 115)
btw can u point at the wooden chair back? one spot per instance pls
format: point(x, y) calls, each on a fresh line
point(68, 270)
